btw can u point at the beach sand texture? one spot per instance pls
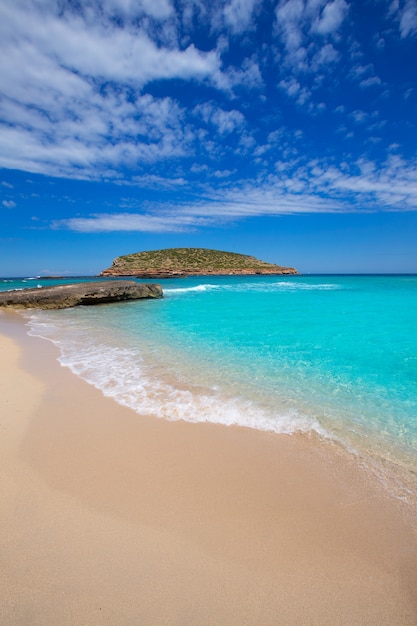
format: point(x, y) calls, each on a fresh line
point(112, 518)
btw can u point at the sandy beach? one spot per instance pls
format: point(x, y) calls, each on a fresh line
point(112, 518)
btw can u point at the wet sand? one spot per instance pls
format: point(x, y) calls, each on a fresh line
point(111, 518)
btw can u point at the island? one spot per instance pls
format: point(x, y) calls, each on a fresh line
point(176, 262)
point(86, 293)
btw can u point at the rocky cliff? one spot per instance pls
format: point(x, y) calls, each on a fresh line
point(64, 296)
point(174, 262)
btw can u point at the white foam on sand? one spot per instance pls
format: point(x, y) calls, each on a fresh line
point(123, 374)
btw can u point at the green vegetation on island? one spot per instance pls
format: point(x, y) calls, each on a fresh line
point(190, 262)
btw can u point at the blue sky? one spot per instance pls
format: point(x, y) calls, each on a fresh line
point(285, 129)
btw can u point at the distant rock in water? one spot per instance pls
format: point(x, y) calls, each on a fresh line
point(64, 296)
point(174, 262)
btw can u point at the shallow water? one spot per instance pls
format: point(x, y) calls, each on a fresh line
point(332, 354)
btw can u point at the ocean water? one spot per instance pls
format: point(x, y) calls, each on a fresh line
point(334, 355)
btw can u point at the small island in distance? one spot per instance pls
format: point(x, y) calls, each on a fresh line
point(175, 262)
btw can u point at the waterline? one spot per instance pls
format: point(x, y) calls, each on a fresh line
point(332, 355)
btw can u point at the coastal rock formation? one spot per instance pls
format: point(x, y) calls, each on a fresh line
point(64, 296)
point(174, 262)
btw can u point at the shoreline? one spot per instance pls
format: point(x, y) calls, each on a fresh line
point(112, 517)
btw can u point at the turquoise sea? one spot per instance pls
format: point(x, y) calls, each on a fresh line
point(335, 355)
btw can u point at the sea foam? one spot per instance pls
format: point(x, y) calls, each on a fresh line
point(133, 381)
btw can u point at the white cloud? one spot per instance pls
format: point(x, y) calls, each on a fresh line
point(92, 134)
point(158, 9)
point(9, 204)
point(96, 50)
point(297, 188)
point(227, 121)
point(223, 173)
point(234, 205)
point(325, 56)
point(393, 7)
point(358, 71)
point(248, 75)
point(304, 28)
point(365, 75)
point(224, 121)
point(359, 116)
point(154, 181)
point(289, 16)
point(291, 86)
point(70, 93)
point(114, 222)
point(75, 101)
point(408, 18)
point(196, 10)
point(389, 188)
point(238, 14)
point(296, 19)
point(294, 90)
point(380, 44)
point(372, 81)
point(199, 168)
point(332, 17)
point(405, 14)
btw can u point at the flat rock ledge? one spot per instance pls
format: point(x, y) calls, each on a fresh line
point(65, 296)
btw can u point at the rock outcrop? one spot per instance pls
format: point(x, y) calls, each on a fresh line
point(64, 296)
point(176, 262)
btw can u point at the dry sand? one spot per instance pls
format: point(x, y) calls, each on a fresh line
point(111, 518)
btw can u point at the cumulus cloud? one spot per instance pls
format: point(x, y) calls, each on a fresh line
point(294, 90)
point(95, 49)
point(225, 122)
point(365, 75)
point(223, 173)
point(297, 19)
point(359, 116)
point(93, 130)
point(325, 56)
point(407, 16)
point(73, 98)
point(290, 18)
point(372, 81)
point(248, 75)
point(9, 204)
point(308, 31)
point(357, 72)
point(238, 14)
point(178, 95)
point(331, 18)
point(72, 88)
